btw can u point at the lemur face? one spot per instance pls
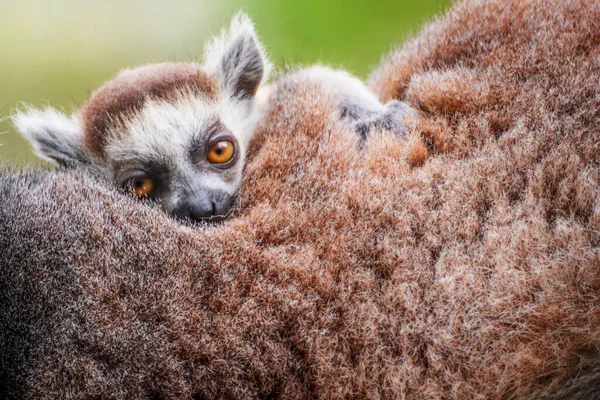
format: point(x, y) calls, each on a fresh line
point(176, 133)
point(193, 164)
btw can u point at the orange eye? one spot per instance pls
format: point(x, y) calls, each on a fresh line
point(221, 153)
point(142, 187)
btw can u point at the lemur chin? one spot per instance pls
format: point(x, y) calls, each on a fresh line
point(178, 133)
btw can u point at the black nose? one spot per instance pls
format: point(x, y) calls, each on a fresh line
point(195, 210)
point(205, 205)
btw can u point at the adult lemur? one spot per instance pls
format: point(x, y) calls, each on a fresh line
point(179, 132)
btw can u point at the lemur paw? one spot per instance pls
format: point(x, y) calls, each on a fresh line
point(389, 117)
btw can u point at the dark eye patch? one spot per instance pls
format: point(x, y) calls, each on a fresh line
point(127, 173)
point(204, 140)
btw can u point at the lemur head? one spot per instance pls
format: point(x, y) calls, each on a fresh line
point(173, 132)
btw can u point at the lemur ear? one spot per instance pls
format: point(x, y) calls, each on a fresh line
point(238, 58)
point(54, 136)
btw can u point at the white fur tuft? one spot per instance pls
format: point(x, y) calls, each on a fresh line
point(54, 136)
point(340, 84)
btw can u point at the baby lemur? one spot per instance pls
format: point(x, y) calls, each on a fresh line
point(178, 133)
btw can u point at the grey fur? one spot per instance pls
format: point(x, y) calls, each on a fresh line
point(362, 118)
point(359, 108)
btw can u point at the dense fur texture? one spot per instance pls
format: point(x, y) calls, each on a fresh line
point(463, 263)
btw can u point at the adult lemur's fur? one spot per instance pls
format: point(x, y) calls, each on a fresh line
point(179, 132)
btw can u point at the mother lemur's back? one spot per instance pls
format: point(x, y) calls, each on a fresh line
point(462, 263)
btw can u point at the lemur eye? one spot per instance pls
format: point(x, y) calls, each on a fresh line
point(142, 187)
point(221, 152)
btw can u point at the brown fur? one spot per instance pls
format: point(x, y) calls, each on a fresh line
point(475, 275)
point(127, 93)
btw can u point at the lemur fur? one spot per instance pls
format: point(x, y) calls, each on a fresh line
point(178, 133)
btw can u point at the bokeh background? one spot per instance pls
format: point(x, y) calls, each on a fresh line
point(57, 51)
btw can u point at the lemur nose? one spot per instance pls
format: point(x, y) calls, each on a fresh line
point(206, 205)
point(195, 210)
point(202, 211)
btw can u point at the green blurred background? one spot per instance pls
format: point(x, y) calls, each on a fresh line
point(57, 51)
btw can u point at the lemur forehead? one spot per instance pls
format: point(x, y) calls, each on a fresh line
point(127, 94)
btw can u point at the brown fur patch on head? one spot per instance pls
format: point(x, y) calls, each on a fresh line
point(128, 92)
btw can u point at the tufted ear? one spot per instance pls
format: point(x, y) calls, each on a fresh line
point(54, 136)
point(238, 59)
